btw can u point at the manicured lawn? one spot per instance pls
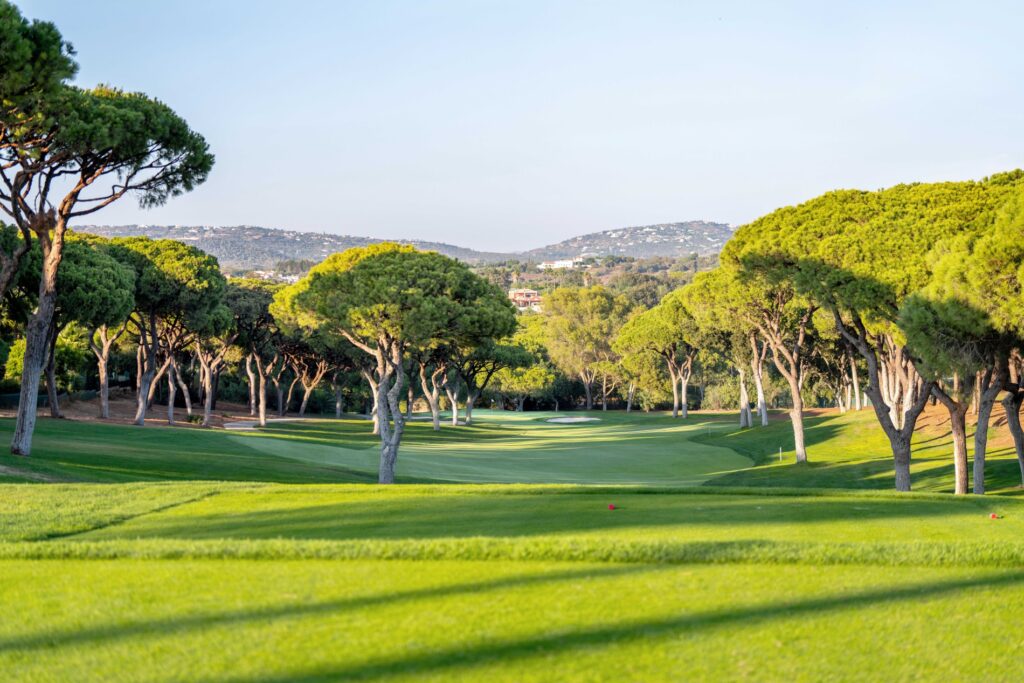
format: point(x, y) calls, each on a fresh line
point(717, 563)
point(270, 582)
point(317, 620)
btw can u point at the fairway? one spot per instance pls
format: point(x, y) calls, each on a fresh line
point(516, 448)
point(252, 581)
point(269, 582)
point(718, 562)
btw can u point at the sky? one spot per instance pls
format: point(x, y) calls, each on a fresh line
point(510, 125)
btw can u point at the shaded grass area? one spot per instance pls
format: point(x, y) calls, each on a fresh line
point(93, 451)
point(849, 451)
point(499, 447)
point(418, 512)
point(272, 521)
point(530, 621)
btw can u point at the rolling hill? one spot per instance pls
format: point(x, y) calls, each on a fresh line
point(253, 247)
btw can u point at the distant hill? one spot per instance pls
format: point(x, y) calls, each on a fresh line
point(643, 241)
point(246, 247)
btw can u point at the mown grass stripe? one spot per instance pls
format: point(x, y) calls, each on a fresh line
point(923, 554)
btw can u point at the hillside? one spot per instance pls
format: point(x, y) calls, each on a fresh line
point(643, 241)
point(247, 246)
point(250, 247)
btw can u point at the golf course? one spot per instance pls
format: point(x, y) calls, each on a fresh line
point(264, 555)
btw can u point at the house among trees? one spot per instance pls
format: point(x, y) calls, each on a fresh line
point(562, 264)
point(525, 299)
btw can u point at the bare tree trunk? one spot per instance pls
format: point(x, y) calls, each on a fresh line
point(987, 387)
point(102, 352)
point(1012, 404)
point(857, 404)
point(674, 379)
point(432, 392)
point(36, 337)
point(262, 393)
point(206, 378)
point(51, 375)
point(252, 384)
point(185, 394)
point(391, 376)
point(957, 409)
point(684, 384)
point(336, 388)
point(453, 399)
point(172, 390)
point(284, 401)
point(104, 374)
point(758, 354)
point(629, 396)
point(471, 397)
point(589, 392)
point(746, 419)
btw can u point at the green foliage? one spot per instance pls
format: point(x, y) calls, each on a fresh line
point(71, 357)
point(581, 324)
point(868, 251)
point(93, 287)
point(35, 61)
point(393, 292)
point(173, 280)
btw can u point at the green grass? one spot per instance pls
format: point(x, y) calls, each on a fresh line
point(718, 563)
point(315, 620)
point(851, 451)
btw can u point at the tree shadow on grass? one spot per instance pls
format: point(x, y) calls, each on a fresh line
point(350, 517)
point(170, 626)
point(599, 636)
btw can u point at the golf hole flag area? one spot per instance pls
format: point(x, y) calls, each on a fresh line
point(148, 568)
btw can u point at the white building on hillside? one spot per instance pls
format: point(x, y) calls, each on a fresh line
point(561, 264)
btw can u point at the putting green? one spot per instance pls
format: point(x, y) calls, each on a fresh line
point(505, 447)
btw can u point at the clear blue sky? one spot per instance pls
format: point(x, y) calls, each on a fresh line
point(502, 125)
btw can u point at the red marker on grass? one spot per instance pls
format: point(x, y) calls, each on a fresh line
point(611, 506)
point(993, 516)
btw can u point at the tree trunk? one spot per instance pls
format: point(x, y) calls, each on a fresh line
point(172, 390)
point(674, 379)
point(589, 392)
point(762, 406)
point(408, 401)
point(101, 368)
point(185, 393)
point(51, 376)
point(36, 337)
point(1012, 404)
point(263, 373)
point(957, 409)
point(796, 416)
point(206, 377)
point(746, 419)
point(391, 376)
point(629, 397)
point(987, 387)
point(471, 397)
point(252, 385)
point(684, 384)
point(453, 399)
point(306, 393)
point(432, 393)
point(857, 404)
point(758, 352)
